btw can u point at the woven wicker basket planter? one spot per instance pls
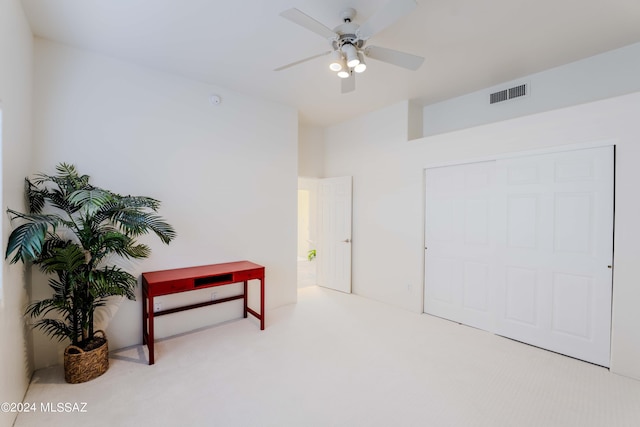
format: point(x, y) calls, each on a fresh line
point(82, 366)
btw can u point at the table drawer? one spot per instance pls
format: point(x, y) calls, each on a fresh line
point(171, 287)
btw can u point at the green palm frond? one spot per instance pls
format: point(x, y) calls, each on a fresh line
point(60, 289)
point(139, 251)
point(86, 230)
point(121, 244)
point(26, 241)
point(111, 281)
point(139, 202)
point(67, 180)
point(126, 203)
point(104, 213)
point(52, 241)
point(90, 200)
point(35, 217)
point(59, 200)
point(135, 223)
point(40, 308)
point(56, 329)
point(66, 169)
point(69, 259)
point(35, 197)
point(113, 241)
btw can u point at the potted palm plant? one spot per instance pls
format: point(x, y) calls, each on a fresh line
point(74, 232)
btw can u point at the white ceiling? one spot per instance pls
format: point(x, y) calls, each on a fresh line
point(468, 44)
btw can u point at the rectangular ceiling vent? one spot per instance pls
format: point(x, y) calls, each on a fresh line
point(504, 95)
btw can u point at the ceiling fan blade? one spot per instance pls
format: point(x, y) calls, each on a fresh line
point(297, 17)
point(390, 13)
point(303, 60)
point(395, 57)
point(349, 84)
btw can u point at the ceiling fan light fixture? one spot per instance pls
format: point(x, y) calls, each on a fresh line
point(352, 55)
point(361, 65)
point(344, 73)
point(337, 61)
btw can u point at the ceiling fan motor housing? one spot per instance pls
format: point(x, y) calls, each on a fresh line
point(348, 14)
point(347, 32)
point(347, 39)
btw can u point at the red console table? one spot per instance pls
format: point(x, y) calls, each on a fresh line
point(166, 282)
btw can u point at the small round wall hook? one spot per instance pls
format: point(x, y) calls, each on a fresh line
point(215, 99)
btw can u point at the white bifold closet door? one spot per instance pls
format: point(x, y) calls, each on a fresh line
point(460, 242)
point(523, 247)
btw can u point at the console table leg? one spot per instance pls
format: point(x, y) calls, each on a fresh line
point(145, 315)
point(246, 289)
point(150, 336)
point(262, 304)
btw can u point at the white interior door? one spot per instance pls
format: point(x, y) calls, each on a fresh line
point(523, 247)
point(334, 226)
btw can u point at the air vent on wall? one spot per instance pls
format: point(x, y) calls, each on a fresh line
point(503, 95)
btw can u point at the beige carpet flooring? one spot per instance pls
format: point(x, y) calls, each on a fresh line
point(340, 360)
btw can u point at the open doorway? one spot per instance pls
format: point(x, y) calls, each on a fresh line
point(307, 231)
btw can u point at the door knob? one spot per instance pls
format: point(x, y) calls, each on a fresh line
point(346, 241)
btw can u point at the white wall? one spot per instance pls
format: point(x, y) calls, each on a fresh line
point(388, 196)
point(16, 53)
point(598, 77)
point(310, 151)
point(226, 175)
point(387, 203)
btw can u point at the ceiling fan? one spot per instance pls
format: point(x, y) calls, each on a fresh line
point(348, 41)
